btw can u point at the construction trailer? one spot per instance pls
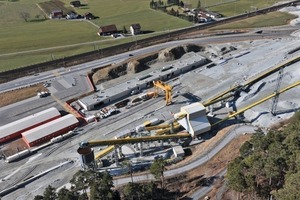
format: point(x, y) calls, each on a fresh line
point(50, 130)
point(14, 129)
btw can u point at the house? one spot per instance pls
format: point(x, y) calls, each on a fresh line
point(135, 29)
point(213, 15)
point(107, 30)
point(88, 16)
point(75, 3)
point(72, 15)
point(56, 14)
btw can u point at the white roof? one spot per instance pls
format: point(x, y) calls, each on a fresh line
point(49, 128)
point(196, 121)
point(27, 122)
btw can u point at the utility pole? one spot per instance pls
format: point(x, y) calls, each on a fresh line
point(276, 91)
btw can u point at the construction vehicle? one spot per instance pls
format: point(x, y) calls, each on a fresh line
point(166, 88)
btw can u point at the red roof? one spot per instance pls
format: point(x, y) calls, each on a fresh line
point(108, 28)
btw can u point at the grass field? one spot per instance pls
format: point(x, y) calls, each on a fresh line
point(271, 19)
point(16, 35)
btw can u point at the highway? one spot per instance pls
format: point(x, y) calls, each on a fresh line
point(203, 40)
point(240, 129)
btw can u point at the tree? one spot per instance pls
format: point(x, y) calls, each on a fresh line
point(38, 197)
point(157, 169)
point(49, 193)
point(65, 194)
point(290, 189)
point(101, 187)
point(124, 30)
point(127, 164)
point(181, 4)
point(25, 16)
point(140, 191)
point(199, 5)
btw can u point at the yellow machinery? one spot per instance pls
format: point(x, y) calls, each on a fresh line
point(165, 87)
point(132, 140)
point(164, 128)
point(230, 91)
point(257, 103)
point(104, 152)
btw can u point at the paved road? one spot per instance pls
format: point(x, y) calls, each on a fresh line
point(205, 189)
point(233, 133)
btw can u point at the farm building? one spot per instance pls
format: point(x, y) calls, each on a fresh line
point(88, 16)
point(135, 29)
point(50, 130)
point(107, 30)
point(14, 129)
point(71, 15)
point(75, 3)
point(56, 14)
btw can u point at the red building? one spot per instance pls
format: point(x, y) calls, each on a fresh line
point(14, 129)
point(50, 130)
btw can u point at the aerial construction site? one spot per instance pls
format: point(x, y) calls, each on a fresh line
point(166, 104)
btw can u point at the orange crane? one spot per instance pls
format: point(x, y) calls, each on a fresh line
point(165, 87)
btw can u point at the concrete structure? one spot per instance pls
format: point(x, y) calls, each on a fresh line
point(178, 151)
point(49, 130)
point(14, 129)
point(196, 121)
point(86, 156)
point(142, 82)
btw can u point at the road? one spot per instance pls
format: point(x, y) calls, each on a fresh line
point(204, 40)
point(205, 189)
point(241, 129)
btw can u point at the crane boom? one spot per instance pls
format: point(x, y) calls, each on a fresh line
point(257, 103)
point(132, 140)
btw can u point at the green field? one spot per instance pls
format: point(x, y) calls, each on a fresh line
point(16, 35)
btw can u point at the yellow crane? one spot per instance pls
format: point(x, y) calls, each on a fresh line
point(165, 87)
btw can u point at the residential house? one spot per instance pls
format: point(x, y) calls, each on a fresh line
point(72, 15)
point(88, 16)
point(107, 30)
point(135, 29)
point(213, 15)
point(56, 14)
point(75, 3)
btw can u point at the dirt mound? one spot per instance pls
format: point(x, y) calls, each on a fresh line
point(177, 52)
point(136, 65)
point(130, 66)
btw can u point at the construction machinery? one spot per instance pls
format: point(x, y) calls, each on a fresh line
point(234, 114)
point(237, 88)
point(132, 140)
point(166, 88)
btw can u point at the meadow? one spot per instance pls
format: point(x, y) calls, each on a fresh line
point(39, 39)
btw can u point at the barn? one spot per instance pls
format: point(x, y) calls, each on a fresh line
point(14, 129)
point(107, 30)
point(50, 130)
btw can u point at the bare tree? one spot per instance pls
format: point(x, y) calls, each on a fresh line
point(25, 16)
